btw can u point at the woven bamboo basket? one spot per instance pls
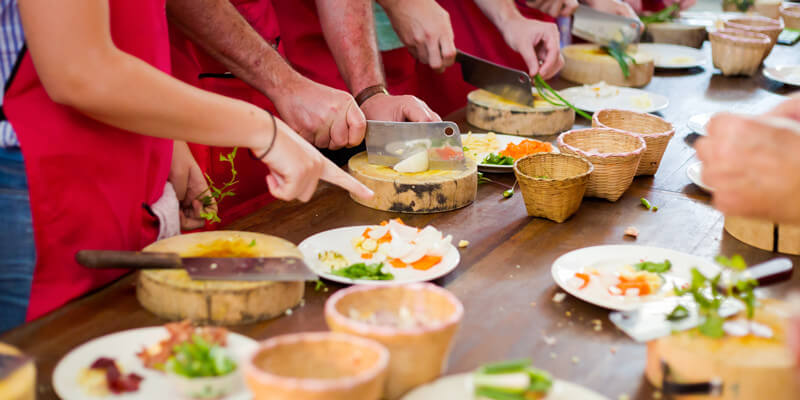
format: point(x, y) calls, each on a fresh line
point(553, 184)
point(759, 24)
point(655, 131)
point(737, 52)
point(790, 14)
point(615, 155)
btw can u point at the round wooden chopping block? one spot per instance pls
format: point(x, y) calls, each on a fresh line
point(590, 64)
point(171, 294)
point(488, 111)
point(680, 34)
point(765, 235)
point(747, 366)
point(21, 384)
point(424, 192)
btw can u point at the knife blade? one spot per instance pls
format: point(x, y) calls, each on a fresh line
point(279, 269)
point(649, 322)
point(388, 143)
point(508, 83)
point(605, 29)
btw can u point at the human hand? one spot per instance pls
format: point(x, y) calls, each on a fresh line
point(190, 184)
point(382, 107)
point(554, 8)
point(537, 43)
point(424, 27)
point(752, 167)
point(617, 7)
point(324, 116)
point(296, 167)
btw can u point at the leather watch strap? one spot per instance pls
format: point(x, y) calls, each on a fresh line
point(370, 91)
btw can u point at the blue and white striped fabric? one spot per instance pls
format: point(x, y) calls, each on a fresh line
point(12, 39)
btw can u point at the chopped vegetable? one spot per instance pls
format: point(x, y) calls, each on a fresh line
point(654, 267)
point(678, 313)
point(198, 359)
point(426, 262)
point(551, 96)
point(619, 53)
point(364, 271)
point(463, 243)
point(252, 244)
point(646, 203)
point(526, 147)
point(584, 277)
point(512, 380)
point(496, 159)
point(632, 232)
point(332, 259)
point(665, 15)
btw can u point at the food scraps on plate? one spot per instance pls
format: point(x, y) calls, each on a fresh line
point(638, 280)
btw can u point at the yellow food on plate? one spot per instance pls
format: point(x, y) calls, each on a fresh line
point(475, 147)
point(643, 101)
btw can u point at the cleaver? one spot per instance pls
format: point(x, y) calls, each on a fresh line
point(508, 83)
point(388, 143)
point(649, 322)
point(203, 268)
point(605, 29)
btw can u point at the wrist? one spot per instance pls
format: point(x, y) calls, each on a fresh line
point(369, 92)
point(264, 139)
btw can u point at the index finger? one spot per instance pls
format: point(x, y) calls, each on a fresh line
point(335, 175)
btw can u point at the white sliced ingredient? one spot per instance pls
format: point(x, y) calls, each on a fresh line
point(515, 381)
point(416, 163)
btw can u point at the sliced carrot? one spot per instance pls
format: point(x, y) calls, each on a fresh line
point(426, 262)
point(397, 263)
point(366, 256)
point(626, 284)
point(365, 235)
point(525, 148)
point(584, 277)
point(386, 238)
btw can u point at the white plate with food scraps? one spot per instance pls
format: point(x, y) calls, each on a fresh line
point(459, 387)
point(341, 241)
point(787, 74)
point(606, 266)
point(695, 174)
point(122, 347)
point(479, 145)
point(593, 98)
point(672, 56)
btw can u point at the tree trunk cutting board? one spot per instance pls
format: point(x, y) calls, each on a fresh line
point(171, 294)
point(424, 192)
point(491, 112)
point(765, 235)
point(590, 64)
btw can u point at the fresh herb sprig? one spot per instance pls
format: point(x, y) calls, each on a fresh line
point(551, 96)
point(620, 53)
point(198, 358)
point(665, 15)
point(216, 194)
point(364, 271)
point(506, 193)
point(654, 267)
point(498, 159)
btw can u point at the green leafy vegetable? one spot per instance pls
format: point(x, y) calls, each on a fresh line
point(198, 359)
point(219, 193)
point(665, 15)
point(497, 159)
point(252, 244)
point(551, 96)
point(620, 53)
point(736, 262)
point(678, 313)
point(364, 271)
point(654, 267)
point(511, 380)
point(504, 367)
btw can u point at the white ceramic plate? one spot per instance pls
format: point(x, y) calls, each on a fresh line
point(697, 123)
point(122, 347)
point(672, 56)
point(458, 387)
point(695, 173)
point(582, 98)
point(340, 240)
point(788, 74)
point(503, 141)
point(612, 257)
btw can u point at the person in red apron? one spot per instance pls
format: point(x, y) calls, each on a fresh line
point(95, 72)
point(259, 75)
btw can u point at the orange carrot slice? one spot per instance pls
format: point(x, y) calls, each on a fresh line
point(397, 263)
point(584, 277)
point(426, 262)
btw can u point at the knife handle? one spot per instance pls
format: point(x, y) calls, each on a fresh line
point(113, 259)
point(772, 271)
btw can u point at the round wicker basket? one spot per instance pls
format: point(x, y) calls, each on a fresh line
point(759, 24)
point(552, 184)
point(655, 131)
point(737, 52)
point(790, 14)
point(615, 155)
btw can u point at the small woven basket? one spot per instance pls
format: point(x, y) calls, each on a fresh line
point(552, 184)
point(615, 155)
point(655, 131)
point(737, 52)
point(790, 14)
point(759, 24)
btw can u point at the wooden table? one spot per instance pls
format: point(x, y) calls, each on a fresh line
point(504, 276)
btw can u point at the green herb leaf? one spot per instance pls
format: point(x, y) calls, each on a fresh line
point(736, 262)
point(654, 267)
point(508, 193)
point(219, 193)
point(319, 285)
point(253, 243)
point(505, 367)
point(497, 159)
point(678, 313)
point(364, 271)
point(712, 327)
point(665, 15)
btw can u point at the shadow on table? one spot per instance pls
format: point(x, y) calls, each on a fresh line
point(668, 72)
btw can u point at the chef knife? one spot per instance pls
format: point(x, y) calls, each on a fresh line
point(203, 268)
point(508, 83)
point(649, 322)
point(388, 143)
point(605, 29)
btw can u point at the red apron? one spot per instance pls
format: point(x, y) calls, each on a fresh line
point(88, 181)
point(193, 65)
point(307, 51)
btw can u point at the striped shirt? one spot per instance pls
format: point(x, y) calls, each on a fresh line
point(12, 40)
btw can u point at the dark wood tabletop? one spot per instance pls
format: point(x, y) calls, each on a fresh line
point(504, 276)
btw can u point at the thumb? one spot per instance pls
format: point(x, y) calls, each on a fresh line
point(356, 124)
point(335, 175)
point(416, 111)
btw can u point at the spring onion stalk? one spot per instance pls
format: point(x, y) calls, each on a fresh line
point(619, 53)
point(665, 15)
point(545, 91)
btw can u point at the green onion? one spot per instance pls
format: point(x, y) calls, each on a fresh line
point(678, 313)
point(504, 367)
point(619, 53)
point(654, 267)
point(665, 15)
point(545, 90)
point(646, 203)
point(364, 271)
